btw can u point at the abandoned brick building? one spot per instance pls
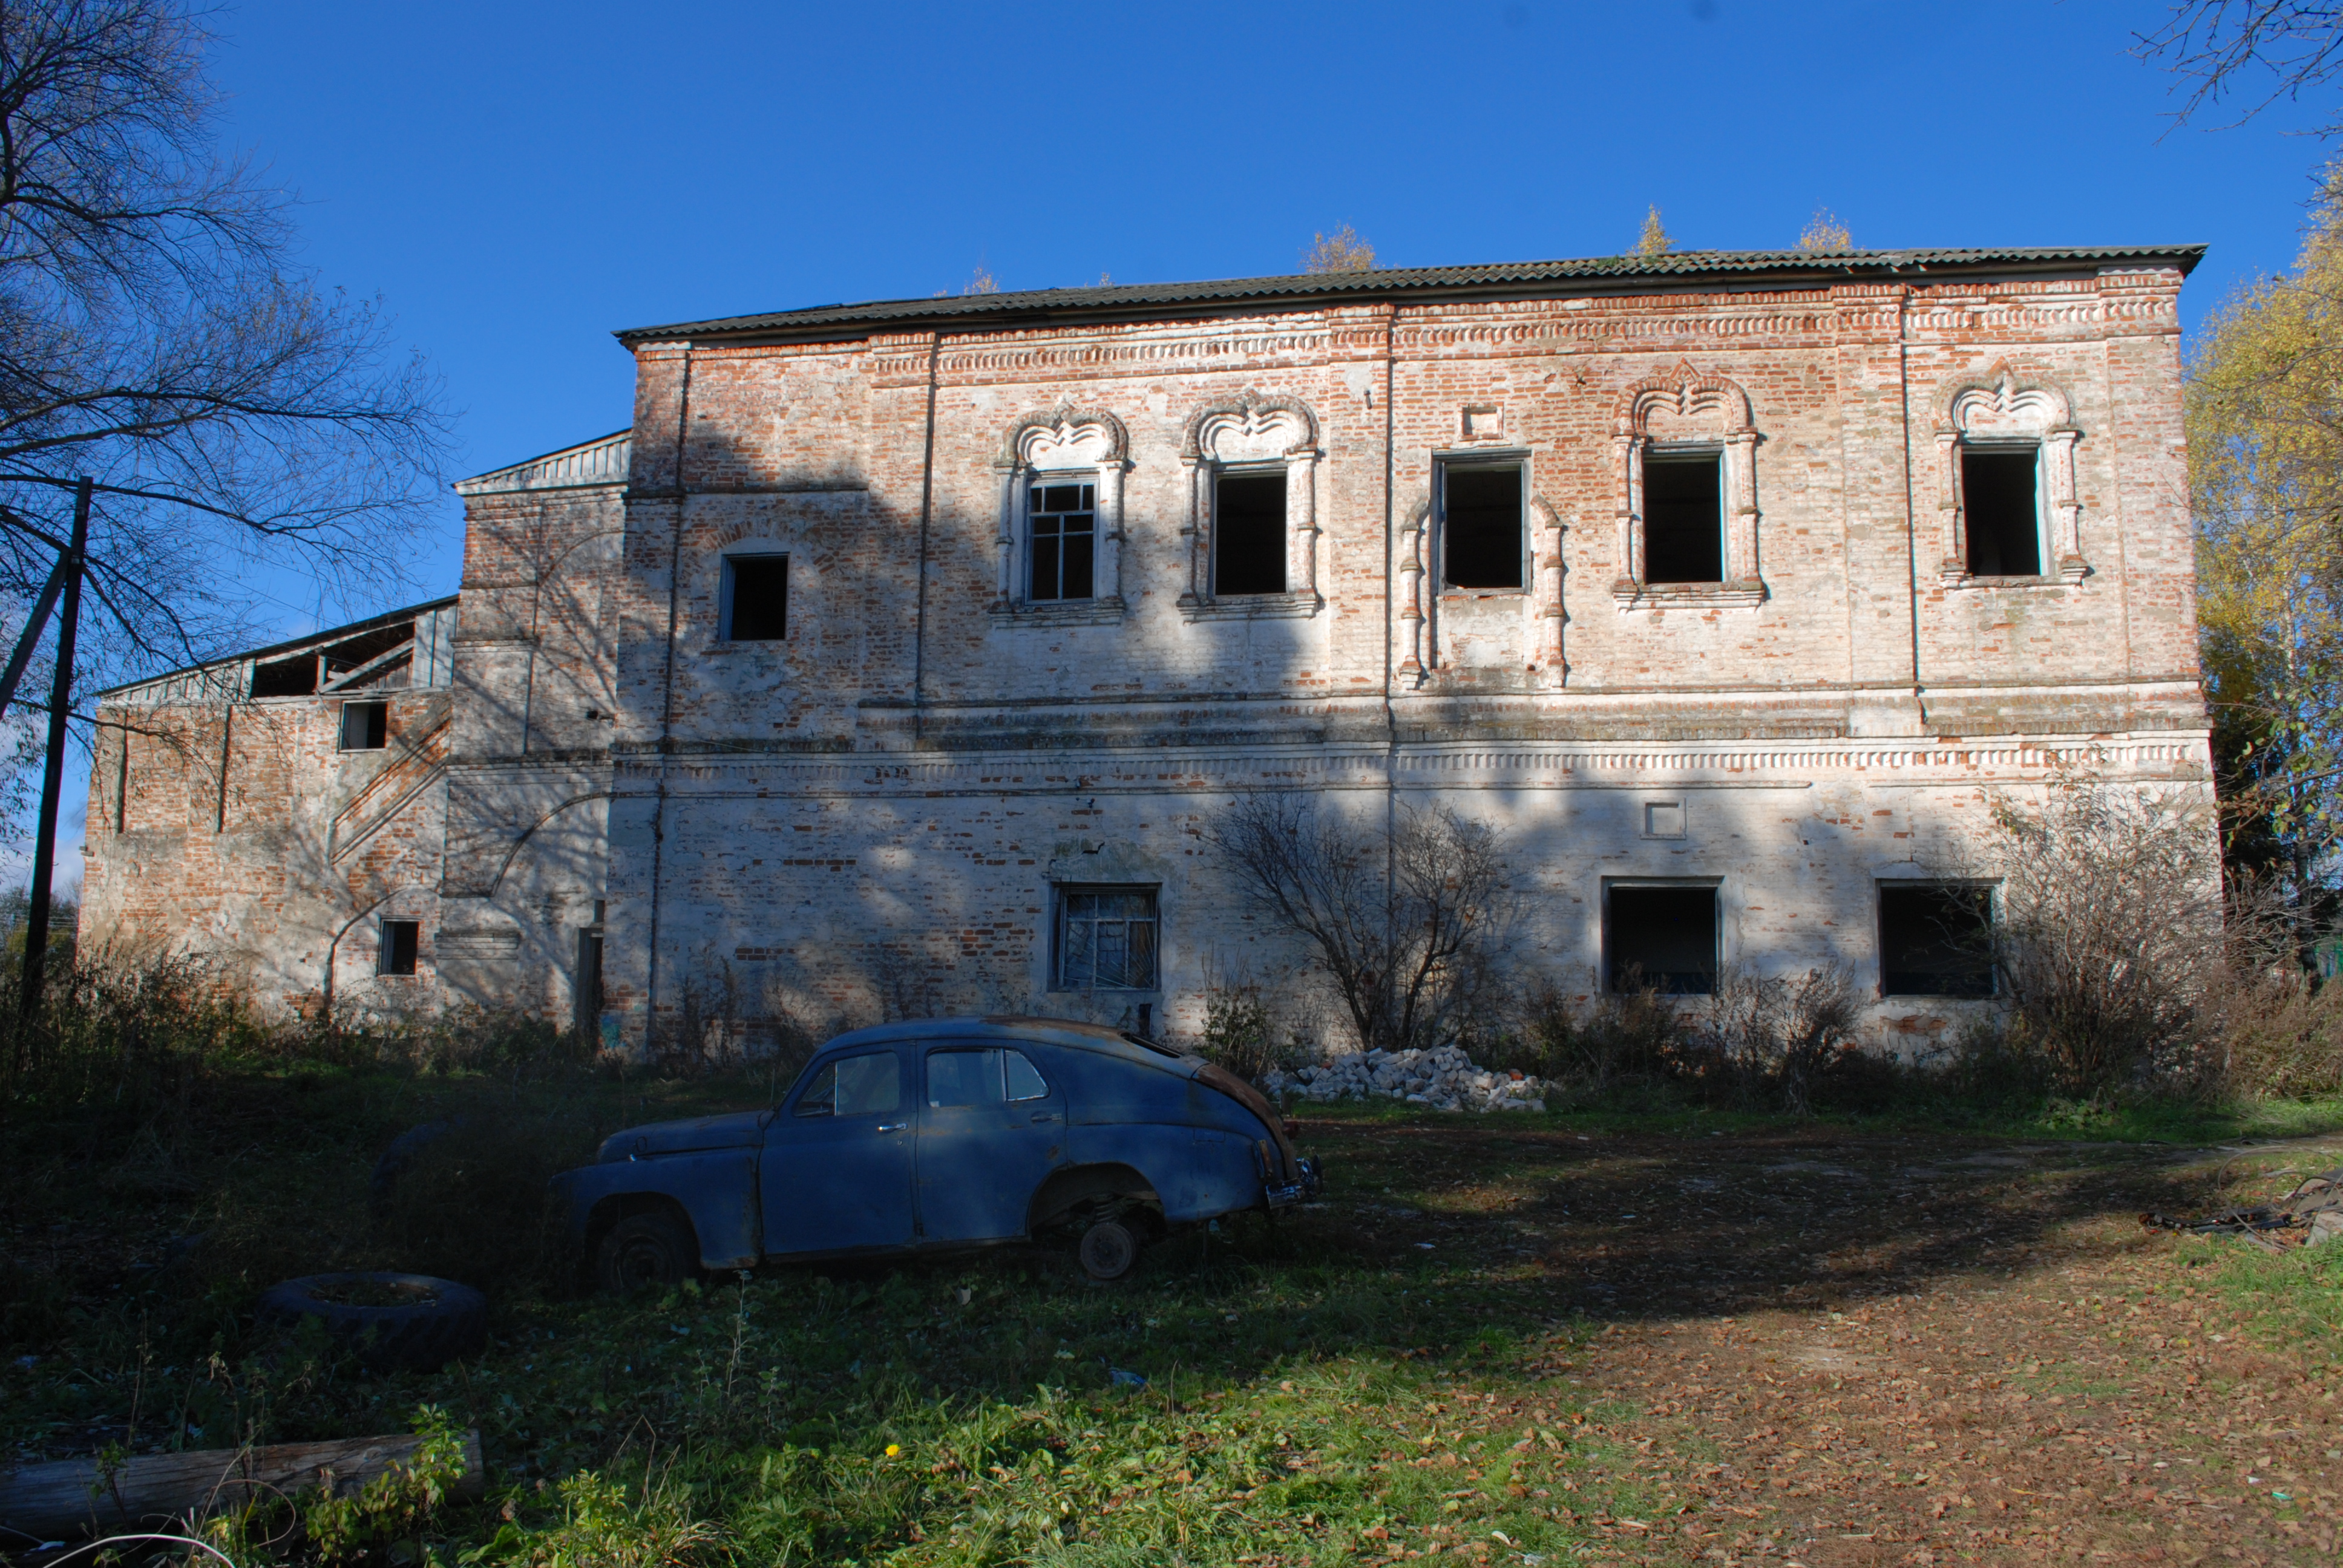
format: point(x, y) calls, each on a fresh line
point(893, 658)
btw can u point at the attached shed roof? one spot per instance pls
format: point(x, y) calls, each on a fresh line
point(326, 638)
point(1589, 275)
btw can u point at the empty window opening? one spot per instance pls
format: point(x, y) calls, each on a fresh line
point(378, 657)
point(756, 598)
point(1106, 939)
point(1481, 525)
point(1683, 518)
point(1663, 940)
point(587, 1012)
point(295, 676)
point(395, 953)
point(1249, 535)
point(2004, 518)
point(366, 725)
point(1065, 540)
point(1935, 940)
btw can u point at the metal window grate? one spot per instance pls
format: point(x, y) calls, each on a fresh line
point(1106, 939)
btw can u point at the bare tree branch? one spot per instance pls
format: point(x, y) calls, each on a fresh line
point(237, 418)
point(2258, 51)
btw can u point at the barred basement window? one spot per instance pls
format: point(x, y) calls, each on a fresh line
point(395, 954)
point(1106, 940)
point(1062, 524)
point(366, 725)
point(1936, 940)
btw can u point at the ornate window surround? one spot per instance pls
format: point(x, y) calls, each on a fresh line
point(1260, 434)
point(1067, 440)
point(1683, 409)
point(2002, 409)
point(1417, 634)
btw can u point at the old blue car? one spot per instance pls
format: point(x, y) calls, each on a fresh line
point(939, 1134)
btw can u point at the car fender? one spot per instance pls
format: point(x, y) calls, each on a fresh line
point(716, 1190)
point(1197, 1172)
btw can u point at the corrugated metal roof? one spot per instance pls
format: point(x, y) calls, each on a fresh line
point(1602, 273)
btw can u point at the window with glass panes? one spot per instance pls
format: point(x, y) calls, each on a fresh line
point(1106, 939)
point(1063, 520)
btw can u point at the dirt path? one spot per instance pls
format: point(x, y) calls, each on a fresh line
point(1842, 1350)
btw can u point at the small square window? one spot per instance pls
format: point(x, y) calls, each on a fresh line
point(1661, 939)
point(1249, 535)
point(1663, 818)
point(1683, 518)
point(1936, 940)
point(1105, 939)
point(395, 953)
point(1481, 526)
point(366, 725)
point(2001, 512)
point(756, 598)
point(1064, 520)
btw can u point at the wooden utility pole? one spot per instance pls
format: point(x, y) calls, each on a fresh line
point(45, 845)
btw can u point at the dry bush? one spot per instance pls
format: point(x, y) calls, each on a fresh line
point(1598, 1040)
point(2280, 1033)
point(1242, 1032)
point(1400, 921)
point(2110, 933)
point(1758, 1037)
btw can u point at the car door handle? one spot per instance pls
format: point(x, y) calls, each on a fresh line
point(1045, 1116)
point(893, 1126)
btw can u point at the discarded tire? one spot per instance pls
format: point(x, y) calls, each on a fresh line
point(1107, 1250)
point(409, 1322)
point(645, 1251)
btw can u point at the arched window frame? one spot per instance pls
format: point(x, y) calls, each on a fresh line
point(1683, 409)
point(1078, 443)
point(1252, 433)
point(2002, 409)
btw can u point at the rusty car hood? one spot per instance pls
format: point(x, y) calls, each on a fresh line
point(737, 1130)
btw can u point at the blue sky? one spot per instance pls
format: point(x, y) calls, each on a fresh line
point(516, 181)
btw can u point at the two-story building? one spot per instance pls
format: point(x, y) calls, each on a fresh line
point(896, 656)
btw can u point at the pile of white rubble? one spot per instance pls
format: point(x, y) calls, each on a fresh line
point(1443, 1078)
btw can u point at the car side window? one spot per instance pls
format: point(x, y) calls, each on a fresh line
point(869, 1085)
point(857, 1086)
point(820, 1097)
point(1024, 1080)
point(963, 1077)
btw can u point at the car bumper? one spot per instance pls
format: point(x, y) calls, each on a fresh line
point(1295, 1192)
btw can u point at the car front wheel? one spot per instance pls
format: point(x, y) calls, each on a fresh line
point(1107, 1250)
point(643, 1250)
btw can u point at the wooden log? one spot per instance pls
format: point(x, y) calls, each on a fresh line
point(68, 1500)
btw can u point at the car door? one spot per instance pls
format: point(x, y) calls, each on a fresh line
point(991, 1126)
point(836, 1168)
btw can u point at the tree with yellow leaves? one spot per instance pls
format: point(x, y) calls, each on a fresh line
point(1340, 251)
point(2265, 422)
point(1654, 240)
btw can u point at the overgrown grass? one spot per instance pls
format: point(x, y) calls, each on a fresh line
point(1303, 1399)
point(1300, 1402)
